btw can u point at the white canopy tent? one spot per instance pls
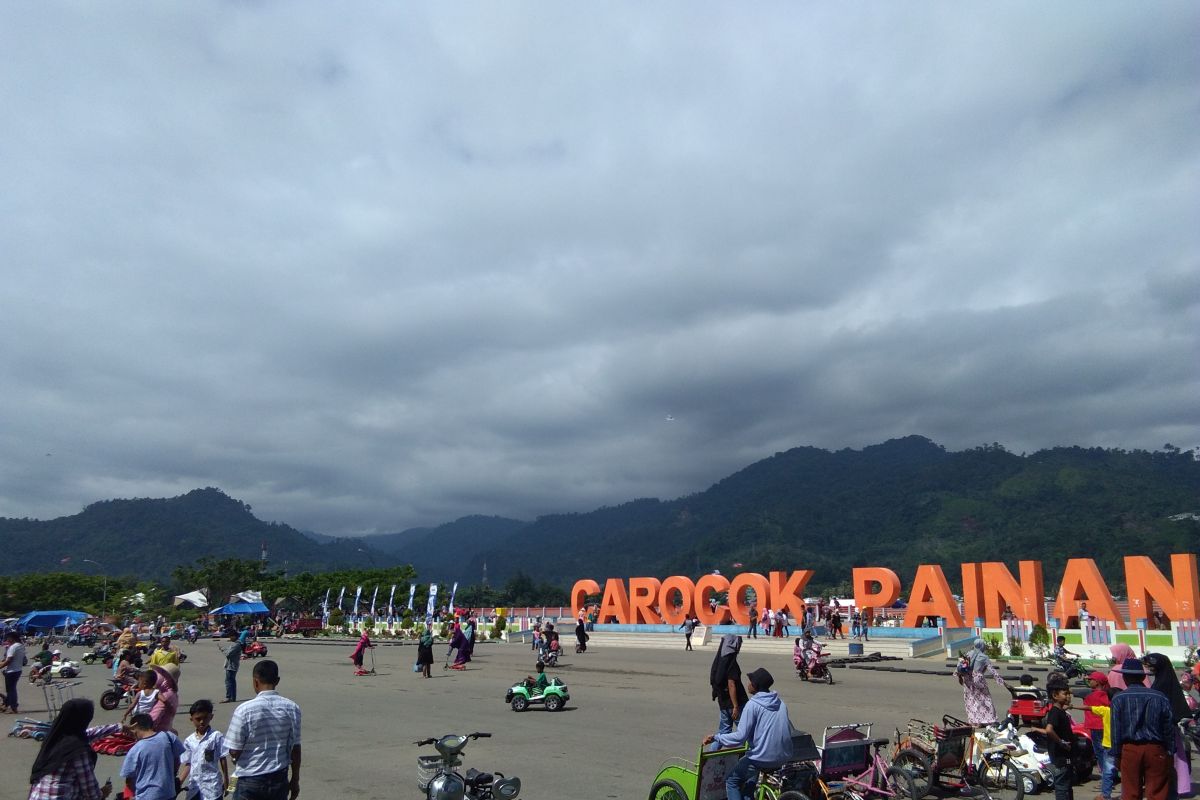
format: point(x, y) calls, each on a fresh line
point(195, 598)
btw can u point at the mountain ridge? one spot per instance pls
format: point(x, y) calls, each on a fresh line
point(899, 503)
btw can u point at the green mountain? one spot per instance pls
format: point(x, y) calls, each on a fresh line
point(899, 504)
point(149, 537)
point(444, 553)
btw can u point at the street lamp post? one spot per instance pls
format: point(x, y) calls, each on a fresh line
point(104, 599)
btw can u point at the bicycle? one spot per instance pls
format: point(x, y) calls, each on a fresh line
point(853, 766)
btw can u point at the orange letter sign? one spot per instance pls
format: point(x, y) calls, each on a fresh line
point(1082, 581)
point(643, 594)
point(931, 597)
point(666, 599)
point(579, 593)
point(737, 594)
point(1144, 581)
point(615, 602)
point(790, 594)
point(865, 596)
point(999, 589)
point(710, 584)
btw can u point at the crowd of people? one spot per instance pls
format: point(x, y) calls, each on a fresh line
point(262, 744)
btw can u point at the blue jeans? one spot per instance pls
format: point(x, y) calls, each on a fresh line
point(272, 786)
point(11, 681)
point(725, 724)
point(740, 775)
point(1105, 762)
point(230, 685)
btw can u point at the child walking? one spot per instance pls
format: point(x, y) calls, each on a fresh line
point(205, 770)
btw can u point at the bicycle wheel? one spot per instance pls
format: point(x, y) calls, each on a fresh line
point(917, 767)
point(896, 784)
point(667, 790)
point(1001, 779)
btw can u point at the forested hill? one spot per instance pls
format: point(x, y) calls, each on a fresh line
point(899, 504)
point(149, 537)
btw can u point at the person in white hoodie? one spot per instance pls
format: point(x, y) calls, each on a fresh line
point(765, 727)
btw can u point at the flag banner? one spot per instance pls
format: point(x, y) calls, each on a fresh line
point(325, 604)
point(432, 604)
point(357, 595)
point(453, 591)
point(392, 597)
point(412, 593)
point(373, 596)
point(341, 595)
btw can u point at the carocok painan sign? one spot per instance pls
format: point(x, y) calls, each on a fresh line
point(988, 587)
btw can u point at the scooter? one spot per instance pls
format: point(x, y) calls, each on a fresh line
point(438, 777)
point(812, 667)
point(549, 654)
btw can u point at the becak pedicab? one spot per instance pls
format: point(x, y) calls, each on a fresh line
point(704, 779)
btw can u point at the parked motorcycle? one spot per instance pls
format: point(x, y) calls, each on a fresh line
point(439, 779)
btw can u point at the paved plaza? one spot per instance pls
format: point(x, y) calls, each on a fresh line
point(630, 709)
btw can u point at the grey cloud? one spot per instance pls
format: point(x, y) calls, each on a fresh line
point(373, 270)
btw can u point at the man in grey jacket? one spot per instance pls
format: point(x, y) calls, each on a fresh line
point(765, 727)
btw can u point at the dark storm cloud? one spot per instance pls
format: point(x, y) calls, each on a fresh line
point(378, 270)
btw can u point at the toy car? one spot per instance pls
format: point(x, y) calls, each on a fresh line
point(554, 698)
point(56, 669)
point(255, 649)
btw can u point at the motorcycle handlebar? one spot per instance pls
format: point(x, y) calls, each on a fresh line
point(434, 740)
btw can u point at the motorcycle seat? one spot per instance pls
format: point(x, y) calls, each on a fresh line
point(475, 778)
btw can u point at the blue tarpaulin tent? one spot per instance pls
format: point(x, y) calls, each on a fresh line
point(51, 619)
point(241, 608)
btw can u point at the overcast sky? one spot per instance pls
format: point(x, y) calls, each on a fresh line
point(380, 265)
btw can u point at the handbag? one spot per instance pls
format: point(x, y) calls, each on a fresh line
point(416, 666)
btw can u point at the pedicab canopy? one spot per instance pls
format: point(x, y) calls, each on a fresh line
point(41, 620)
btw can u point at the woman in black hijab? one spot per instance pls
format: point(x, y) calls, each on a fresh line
point(1167, 682)
point(725, 677)
point(66, 765)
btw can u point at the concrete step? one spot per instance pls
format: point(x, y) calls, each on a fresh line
point(837, 649)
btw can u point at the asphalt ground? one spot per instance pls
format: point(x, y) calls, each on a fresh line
point(630, 709)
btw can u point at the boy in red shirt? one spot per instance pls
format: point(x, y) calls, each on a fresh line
point(1095, 724)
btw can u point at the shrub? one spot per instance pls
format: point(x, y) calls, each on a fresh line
point(498, 626)
point(1039, 640)
point(1016, 648)
point(992, 646)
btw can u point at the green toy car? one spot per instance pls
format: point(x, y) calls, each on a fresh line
point(523, 695)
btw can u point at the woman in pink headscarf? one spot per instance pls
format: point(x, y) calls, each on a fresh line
point(1119, 652)
point(167, 683)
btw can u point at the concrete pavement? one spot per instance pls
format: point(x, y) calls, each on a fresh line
point(630, 709)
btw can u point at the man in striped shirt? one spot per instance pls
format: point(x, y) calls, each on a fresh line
point(263, 740)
